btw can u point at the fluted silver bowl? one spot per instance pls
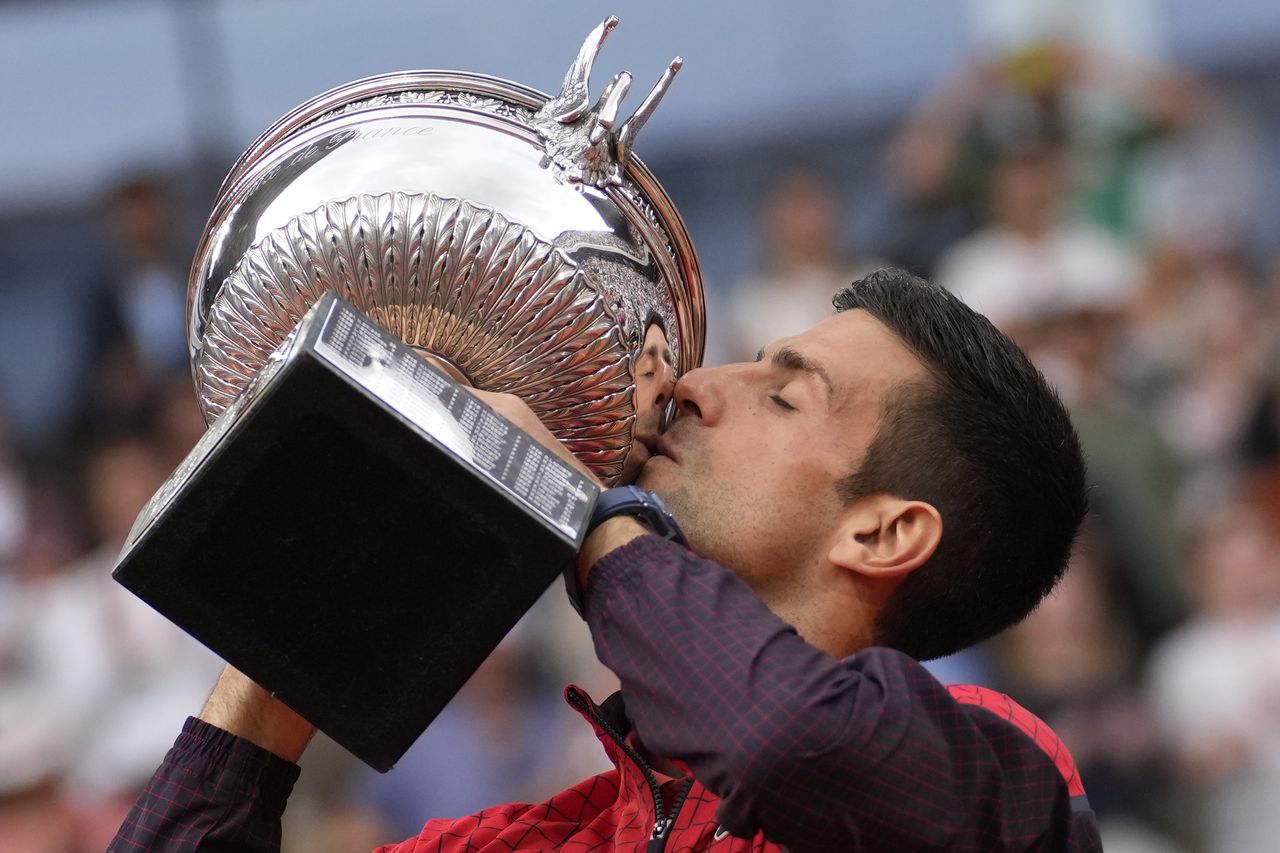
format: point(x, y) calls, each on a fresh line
point(511, 234)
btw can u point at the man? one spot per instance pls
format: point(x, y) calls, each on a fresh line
point(897, 482)
point(653, 371)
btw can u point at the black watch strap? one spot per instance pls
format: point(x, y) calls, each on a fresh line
point(645, 506)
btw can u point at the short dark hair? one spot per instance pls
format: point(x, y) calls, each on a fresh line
point(653, 318)
point(987, 442)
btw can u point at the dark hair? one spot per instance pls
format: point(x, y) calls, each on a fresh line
point(987, 442)
point(654, 319)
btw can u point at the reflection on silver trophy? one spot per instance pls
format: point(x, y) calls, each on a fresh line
point(513, 236)
point(512, 239)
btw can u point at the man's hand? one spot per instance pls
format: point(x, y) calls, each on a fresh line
point(238, 705)
point(615, 532)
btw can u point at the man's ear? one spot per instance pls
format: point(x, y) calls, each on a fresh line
point(885, 537)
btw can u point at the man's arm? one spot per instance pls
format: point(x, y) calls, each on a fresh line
point(239, 706)
point(866, 753)
point(225, 782)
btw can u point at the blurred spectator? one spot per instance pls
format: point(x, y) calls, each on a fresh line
point(1033, 264)
point(34, 679)
point(178, 423)
point(1134, 481)
point(104, 681)
point(137, 310)
point(1261, 441)
point(1196, 185)
point(1215, 684)
point(1104, 112)
point(39, 688)
point(144, 295)
point(1073, 663)
point(1205, 413)
point(803, 266)
point(1156, 349)
point(1133, 473)
point(155, 675)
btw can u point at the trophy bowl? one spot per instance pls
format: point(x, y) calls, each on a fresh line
point(511, 235)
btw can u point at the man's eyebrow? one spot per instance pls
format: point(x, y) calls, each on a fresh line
point(786, 358)
point(663, 353)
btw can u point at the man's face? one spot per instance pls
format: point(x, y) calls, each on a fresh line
point(655, 379)
point(750, 467)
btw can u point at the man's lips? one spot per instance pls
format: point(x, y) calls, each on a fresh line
point(656, 445)
point(663, 447)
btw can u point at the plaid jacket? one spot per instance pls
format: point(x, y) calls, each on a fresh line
point(216, 791)
point(800, 749)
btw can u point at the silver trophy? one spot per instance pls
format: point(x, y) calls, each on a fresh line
point(355, 531)
point(512, 235)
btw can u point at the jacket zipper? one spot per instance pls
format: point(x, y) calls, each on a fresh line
point(661, 822)
point(658, 841)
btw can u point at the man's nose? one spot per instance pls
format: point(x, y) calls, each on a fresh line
point(666, 384)
point(696, 394)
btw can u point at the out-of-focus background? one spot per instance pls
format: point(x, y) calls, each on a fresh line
point(1099, 176)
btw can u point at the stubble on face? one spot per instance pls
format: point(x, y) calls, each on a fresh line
point(722, 519)
point(696, 513)
point(755, 487)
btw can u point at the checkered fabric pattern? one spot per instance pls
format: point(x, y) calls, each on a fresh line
point(1031, 725)
point(865, 754)
point(214, 791)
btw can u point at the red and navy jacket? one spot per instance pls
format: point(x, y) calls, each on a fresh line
point(785, 746)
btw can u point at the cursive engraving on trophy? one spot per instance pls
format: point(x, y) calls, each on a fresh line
point(492, 106)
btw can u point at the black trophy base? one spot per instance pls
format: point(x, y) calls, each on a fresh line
point(351, 567)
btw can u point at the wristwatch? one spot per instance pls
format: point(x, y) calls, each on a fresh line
point(643, 505)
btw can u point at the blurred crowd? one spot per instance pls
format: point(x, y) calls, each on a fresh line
point(1101, 211)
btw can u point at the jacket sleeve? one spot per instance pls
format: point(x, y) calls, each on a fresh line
point(866, 753)
point(214, 791)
